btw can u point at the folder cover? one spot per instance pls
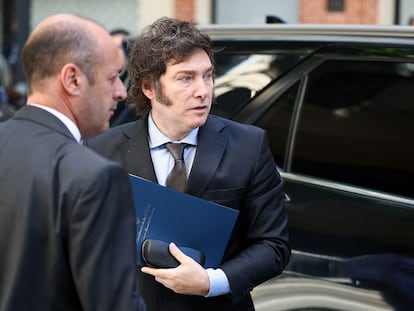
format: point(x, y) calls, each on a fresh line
point(166, 214)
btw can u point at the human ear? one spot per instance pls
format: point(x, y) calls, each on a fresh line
point(147, 90)
point(71, 78)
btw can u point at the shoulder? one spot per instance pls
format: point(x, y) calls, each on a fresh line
point(85, 167)
point(81, 158)
point(224, 125)
point(110, 140)
point(125, 130)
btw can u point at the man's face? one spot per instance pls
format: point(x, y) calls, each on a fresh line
point(100, 98)
point(185, 96)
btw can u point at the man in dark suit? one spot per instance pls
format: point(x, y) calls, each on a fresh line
point(67, 221)
point(171, 70)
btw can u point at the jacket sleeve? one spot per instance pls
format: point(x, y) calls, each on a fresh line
point(265, 249)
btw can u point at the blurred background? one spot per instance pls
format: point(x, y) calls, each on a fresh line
point(19, 17)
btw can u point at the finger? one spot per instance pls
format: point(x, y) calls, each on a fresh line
point(149, 270)
point(177, 253)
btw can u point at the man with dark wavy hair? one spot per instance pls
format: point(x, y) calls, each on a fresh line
point(172, 80)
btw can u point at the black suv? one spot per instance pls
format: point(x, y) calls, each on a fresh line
point(338, 105)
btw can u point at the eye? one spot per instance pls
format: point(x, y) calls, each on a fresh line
point(208, 76)
point(113, 79)
point(185, 78)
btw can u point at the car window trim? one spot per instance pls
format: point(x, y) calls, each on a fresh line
point(409, 202)
point(295, 122)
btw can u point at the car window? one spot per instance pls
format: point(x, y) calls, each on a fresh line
point(239, 77)
point(276, 121)
point(356, 125)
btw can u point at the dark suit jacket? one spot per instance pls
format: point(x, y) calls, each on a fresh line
point(67, 239)
point(233, 166)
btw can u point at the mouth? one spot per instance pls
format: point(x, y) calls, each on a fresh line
point(204, 107)
point(112, 111)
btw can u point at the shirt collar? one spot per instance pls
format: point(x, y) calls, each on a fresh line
point(157, 138)
point(73, 129)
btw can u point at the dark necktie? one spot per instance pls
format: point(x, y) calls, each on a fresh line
point(177, 177)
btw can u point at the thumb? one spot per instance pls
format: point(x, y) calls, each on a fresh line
point(177, 253)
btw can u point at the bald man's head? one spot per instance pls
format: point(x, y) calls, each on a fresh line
point(62, 39)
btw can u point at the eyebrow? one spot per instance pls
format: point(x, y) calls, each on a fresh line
point(193, 71)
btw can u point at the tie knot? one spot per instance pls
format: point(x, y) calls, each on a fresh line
point(177, 150)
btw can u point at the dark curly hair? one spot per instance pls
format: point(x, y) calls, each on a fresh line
point(166, 41)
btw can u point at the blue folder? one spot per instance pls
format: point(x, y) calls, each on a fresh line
point(165, 214)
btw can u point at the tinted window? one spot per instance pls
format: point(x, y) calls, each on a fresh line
point(276, 121)
point(356, 125)
point(239, 77)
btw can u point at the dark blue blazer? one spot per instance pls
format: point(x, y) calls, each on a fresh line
point(233, 166)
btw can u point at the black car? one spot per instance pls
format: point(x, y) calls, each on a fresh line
point(338, 105)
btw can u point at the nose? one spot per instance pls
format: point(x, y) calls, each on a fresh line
point(203, 88)
point(120, 91)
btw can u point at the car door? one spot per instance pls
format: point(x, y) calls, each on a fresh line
point(341, 129)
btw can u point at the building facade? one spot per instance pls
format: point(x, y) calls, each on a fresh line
point(133, 15)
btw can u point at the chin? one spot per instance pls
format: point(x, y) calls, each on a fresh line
point(200, 121)
point(104, 129)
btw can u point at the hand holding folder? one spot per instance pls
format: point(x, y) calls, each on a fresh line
point(156, 254)
point(167, 215)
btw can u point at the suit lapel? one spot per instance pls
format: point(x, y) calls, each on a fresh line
point(210, 149)
point(138, 162)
